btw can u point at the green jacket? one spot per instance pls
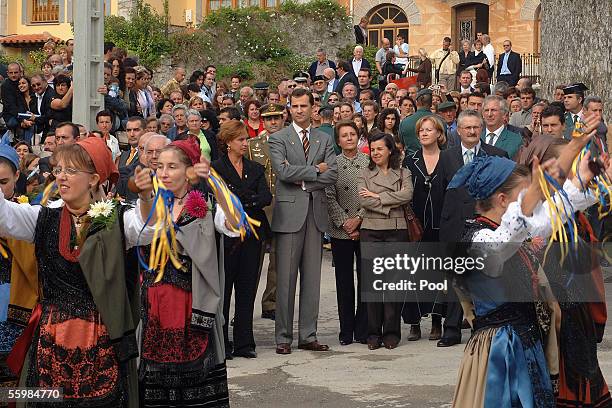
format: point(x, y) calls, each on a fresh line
point(407, 131)
point(508, 141)
point(329, 129)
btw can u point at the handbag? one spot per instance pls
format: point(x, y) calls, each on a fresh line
point(415, 229)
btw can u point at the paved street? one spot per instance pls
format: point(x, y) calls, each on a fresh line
point(416, 374)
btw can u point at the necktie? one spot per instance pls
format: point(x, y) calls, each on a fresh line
point(575, 119)
point(305, 143)
point(468, 156)
point(490, 138)
point(131, 156)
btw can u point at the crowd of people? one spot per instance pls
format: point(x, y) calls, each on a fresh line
point(337, 155)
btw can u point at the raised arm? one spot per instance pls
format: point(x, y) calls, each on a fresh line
point(18, 221)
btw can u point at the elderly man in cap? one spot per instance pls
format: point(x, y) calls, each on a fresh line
point(259, 151)
point(261, 91)
point(407, 130)
point(573, 99)
point(319, 85)
point(448, 112)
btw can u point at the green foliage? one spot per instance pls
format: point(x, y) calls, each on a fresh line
point(244, 71)
point(320, 10)
point(255, 42)
point(144, 34)
point(30, 66)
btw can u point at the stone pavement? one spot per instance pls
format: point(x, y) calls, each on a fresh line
point(416, 374)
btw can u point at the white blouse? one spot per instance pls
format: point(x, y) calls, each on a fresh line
point(18, 221)
point(502, 243)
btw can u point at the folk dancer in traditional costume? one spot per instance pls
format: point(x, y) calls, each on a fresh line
point(81, 334)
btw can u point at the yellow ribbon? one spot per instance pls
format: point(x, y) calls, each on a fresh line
point(164, 245)
point(226, 198)
point(3, 252)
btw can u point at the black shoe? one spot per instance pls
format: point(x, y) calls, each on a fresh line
point(246, 353)
point(228, 356)
point(232, 322)
point(346, 342)
point(268, 314)
point(446, 342)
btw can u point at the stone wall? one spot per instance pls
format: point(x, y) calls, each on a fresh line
point(576, 46)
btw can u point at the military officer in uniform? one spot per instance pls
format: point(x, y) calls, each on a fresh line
point(259, 151)
point(261, 91)
point(573, 99)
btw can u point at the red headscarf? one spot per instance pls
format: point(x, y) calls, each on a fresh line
point(190, 148)
point(102, 158)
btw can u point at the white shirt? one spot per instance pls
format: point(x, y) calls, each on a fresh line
point(357, 65)
point(489, 51)
point(398, 59)
point(497, 133)
point(113, 145)
point(474, 150)
point(299, 130)
point(330, 85)
point(39, 101)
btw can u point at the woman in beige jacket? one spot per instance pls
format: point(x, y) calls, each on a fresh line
point(384, 188)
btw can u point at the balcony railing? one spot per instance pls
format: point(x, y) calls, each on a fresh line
point(45, 11)
point(531, 67)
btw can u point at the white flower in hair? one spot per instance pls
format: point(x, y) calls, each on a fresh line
point(101, 208)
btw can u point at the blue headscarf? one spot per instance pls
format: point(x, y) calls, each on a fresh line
point(483, 176)
point(10, 154)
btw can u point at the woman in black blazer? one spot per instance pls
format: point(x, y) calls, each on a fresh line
point(246, 179)
point(427, 202)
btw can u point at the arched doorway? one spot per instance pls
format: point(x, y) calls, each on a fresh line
point(537, 28)
point(386, 21)
point(468, 20)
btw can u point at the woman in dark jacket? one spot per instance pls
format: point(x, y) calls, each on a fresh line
point(246, 179)
point(423, 70)
point(427, 201)
point(61, 104)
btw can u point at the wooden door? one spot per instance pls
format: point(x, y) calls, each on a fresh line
point(465, 26)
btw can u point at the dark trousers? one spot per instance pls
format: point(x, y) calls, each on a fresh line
point(384, 318)
point(241, 273)
point(453, 321)
point(268, 299)
point(510, 79)
point(353, 323)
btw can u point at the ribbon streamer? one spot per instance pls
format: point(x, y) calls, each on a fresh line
point(164, 246)
point(237, 218)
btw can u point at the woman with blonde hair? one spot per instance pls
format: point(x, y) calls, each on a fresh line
point(423, 71)
point(427, 200)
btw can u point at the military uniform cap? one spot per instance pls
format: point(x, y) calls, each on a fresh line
point(300, 76)
point(261, 86)
point(319, 78)
point(424, 92)
point(447, 105)
point(271, 109)
point(577, 88)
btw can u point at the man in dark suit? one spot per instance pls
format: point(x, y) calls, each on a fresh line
point(319, 66)
point(458, 204)
point(134, 128)
point(509, 65)
point(41, 103)
point(358, 61)
point(345, 74)
point(304, 161)
point(361, 35)
point(9, 92)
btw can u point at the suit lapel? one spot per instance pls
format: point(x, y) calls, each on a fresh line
point(296, 142)
point(315, 143)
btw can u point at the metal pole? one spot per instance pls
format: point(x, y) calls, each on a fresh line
point(88, 73)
